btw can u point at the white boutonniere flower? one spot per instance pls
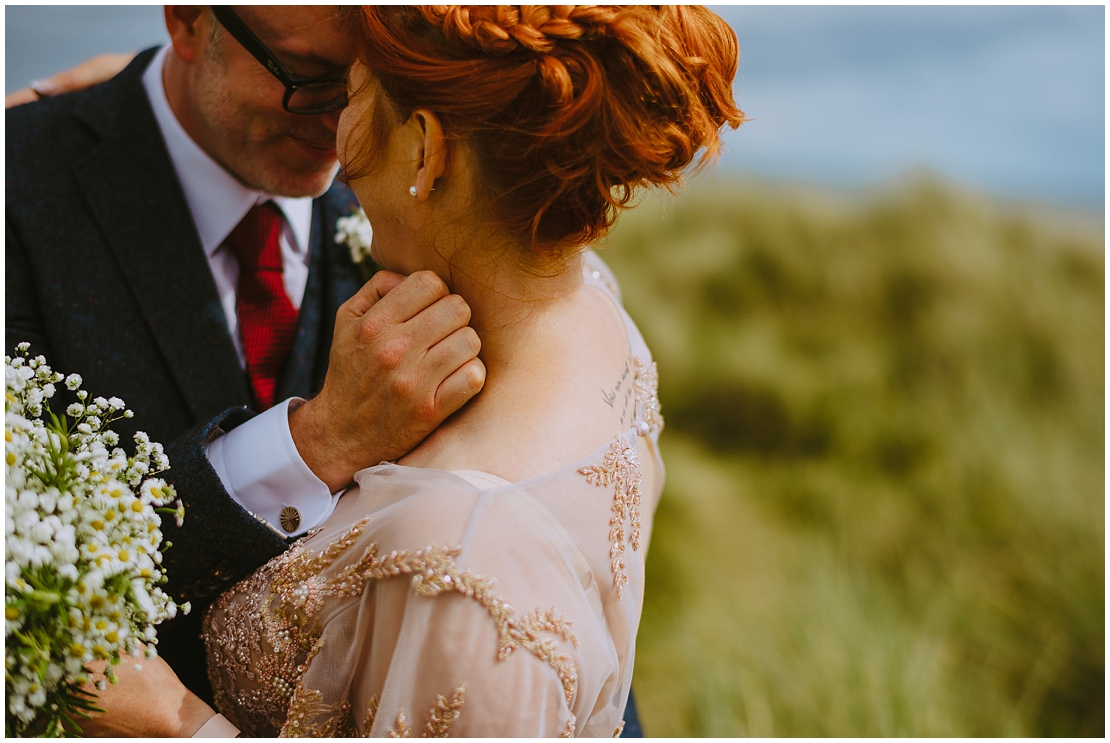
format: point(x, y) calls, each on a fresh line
point(355, 232)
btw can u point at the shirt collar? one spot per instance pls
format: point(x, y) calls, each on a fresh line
point(216, 199)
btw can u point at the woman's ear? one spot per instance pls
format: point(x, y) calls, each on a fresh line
point(433, 152)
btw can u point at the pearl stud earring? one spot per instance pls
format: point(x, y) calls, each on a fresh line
point(412, 190)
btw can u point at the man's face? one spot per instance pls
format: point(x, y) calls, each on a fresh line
point(240, 103)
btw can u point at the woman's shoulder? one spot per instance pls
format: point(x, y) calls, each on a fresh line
point(583, 516)
point(566, 392)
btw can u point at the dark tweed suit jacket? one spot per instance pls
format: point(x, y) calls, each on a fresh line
point(106, 276)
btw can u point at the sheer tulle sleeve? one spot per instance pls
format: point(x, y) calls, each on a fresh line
point(494, 627)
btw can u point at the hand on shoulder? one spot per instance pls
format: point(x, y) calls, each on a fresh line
point(93, 71)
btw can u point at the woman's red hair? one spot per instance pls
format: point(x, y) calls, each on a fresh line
point(568, 109)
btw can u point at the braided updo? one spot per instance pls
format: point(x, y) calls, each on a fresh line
point(569, 109)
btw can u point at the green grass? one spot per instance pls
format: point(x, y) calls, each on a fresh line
point(884, 506)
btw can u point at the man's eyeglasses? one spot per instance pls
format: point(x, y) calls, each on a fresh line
point(309, 96)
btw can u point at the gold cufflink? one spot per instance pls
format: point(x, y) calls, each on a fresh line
point(290, 519)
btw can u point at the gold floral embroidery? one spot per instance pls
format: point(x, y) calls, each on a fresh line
point(272, 635)
point(371, 714)
point(310, 717)
point(621, 469)
point(400, 728)
point(440, 717)
point(568, 731)
point(647, 393)
point(619, 730)
point(444, 714)
point(512, 632)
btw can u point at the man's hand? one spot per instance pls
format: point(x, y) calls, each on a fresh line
point(402, 359)
point(151, 703)
point(91, 72)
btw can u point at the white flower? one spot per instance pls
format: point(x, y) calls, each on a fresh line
point(356, 233)
point(48, 501)
point(77, 515)
point(28, 500)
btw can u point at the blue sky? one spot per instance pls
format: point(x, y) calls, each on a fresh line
point(1010, 99)
point(1006, 98)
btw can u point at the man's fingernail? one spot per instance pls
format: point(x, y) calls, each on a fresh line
point(44, 88)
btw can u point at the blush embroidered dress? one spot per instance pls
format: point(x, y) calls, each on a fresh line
point(436, 603)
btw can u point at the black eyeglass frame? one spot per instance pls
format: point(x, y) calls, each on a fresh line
point(235, 26)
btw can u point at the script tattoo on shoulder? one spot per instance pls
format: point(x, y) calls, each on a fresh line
point(621, 396)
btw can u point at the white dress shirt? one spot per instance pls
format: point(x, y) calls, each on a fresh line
point(257, 462)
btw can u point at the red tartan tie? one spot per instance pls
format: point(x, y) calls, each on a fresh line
point(267, 319)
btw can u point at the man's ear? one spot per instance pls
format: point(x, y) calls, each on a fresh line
point(433, 151)
point(187, 27)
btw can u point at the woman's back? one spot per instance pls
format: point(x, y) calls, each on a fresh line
point(432, 603)
point(555, 390)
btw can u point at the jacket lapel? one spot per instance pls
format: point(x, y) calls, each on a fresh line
point(130, 186)
point(332, 280)
point(296, 374)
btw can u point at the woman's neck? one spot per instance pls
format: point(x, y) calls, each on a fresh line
point(548, 344)
point(509, 305)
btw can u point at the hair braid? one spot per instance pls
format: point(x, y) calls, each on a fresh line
point(570, 109)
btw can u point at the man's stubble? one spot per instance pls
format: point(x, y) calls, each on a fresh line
point(246, 142)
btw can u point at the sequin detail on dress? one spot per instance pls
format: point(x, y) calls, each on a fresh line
point(440, 717)
point(270, 635)
point(568, 731)
point(444, 714)
point(270, 621)
point(621, 469)
point(647, 394)
point(310, 717)
point(371, 714)
point(511, 632)
point(400, 727)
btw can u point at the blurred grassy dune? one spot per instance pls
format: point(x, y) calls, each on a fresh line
point(884, 510)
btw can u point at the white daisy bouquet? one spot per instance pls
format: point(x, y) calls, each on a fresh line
point(82, 537)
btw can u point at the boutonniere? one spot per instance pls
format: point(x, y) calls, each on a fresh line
point(355, 232)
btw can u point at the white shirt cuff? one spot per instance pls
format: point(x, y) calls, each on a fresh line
point(262, 471)
point(217, 726)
